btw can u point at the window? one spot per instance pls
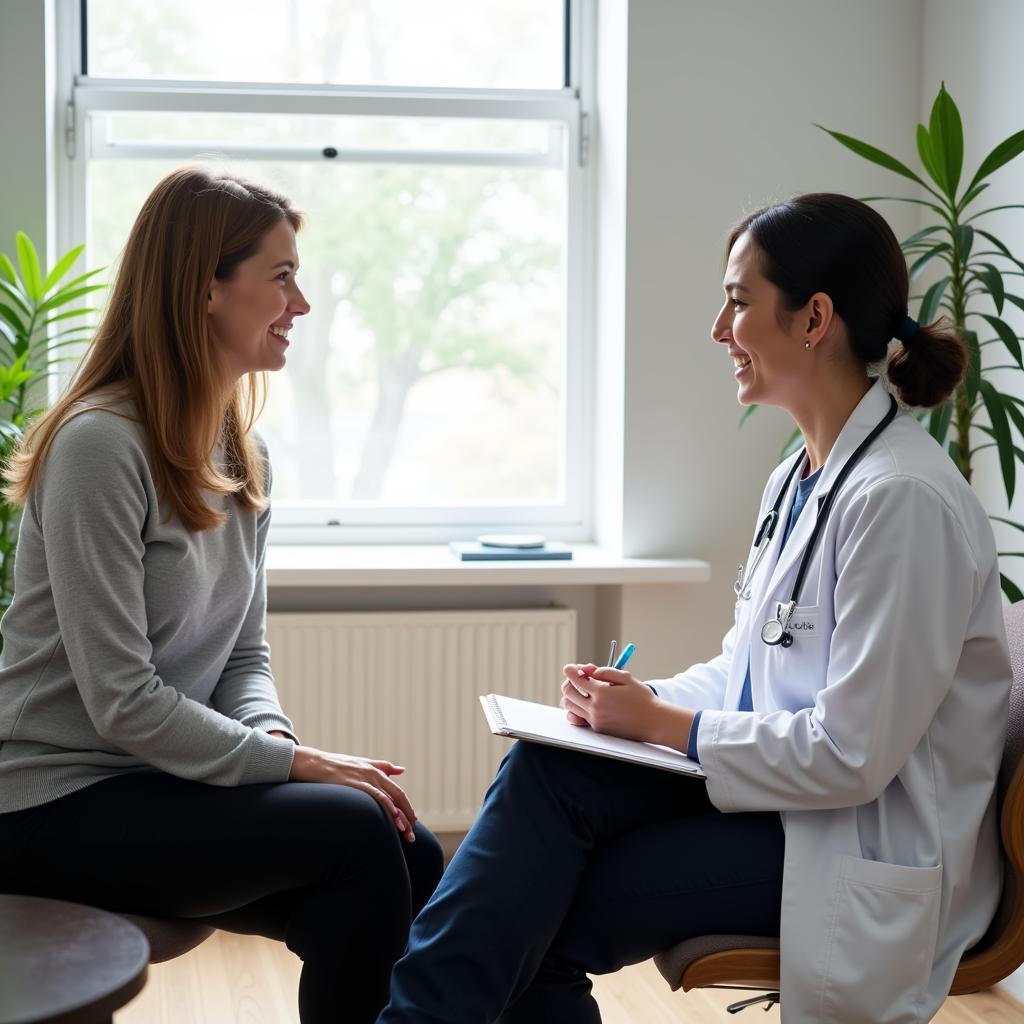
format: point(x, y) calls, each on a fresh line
point(438, 151)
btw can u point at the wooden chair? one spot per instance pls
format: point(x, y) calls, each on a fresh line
point(752, 962)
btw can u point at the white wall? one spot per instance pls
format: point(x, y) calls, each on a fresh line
point(26, 123)
point(975, 48)
point(721, 100)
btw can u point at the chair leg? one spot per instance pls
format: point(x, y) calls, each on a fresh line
point(769, 999)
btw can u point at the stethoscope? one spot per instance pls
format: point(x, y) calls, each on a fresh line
point(775, 632)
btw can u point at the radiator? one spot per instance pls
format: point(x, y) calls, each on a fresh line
point(404, 686)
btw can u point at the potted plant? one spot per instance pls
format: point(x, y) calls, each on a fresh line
point(36, 327)
point(973, 289)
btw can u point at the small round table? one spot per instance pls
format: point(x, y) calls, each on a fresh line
point(62, 963)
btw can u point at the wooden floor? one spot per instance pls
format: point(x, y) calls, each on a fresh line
point(234, 979)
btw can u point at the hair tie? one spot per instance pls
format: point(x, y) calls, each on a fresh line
point(907, 329)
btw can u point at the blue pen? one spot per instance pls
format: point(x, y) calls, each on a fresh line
point(627, 652)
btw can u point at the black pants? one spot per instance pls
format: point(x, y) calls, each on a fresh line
point(580, 865)
point(320, 867)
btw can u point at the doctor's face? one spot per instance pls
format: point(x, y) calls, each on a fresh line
point(769, 359)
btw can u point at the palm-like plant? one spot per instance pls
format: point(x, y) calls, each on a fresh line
point(971, 291)
point(35, 329)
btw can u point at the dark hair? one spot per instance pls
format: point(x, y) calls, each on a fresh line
point(823, 242)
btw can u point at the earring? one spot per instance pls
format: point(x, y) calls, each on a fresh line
point(807, 343)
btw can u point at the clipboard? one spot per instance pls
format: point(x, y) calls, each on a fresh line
point(541, 723)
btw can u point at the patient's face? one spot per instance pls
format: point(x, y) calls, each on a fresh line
point(252, 313)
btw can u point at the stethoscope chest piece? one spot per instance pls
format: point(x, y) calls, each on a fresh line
point(775, 632)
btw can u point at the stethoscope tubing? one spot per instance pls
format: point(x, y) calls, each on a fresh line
point(775, 632)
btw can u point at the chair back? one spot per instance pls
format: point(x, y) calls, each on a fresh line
point(1001, 951)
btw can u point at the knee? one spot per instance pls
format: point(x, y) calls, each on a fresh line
point(426, 855)
point(356, 834)
point(425, 862)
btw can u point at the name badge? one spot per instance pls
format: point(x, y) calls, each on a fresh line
point(804, 624)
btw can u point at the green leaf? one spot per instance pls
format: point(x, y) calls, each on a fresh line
point(74, 337)
point(1001, 434)
point(996, 209)
point(970, 195)
point(1017, 452)
point(875, 155)
point(919, 236)
point(1008, 522)
point(1002, 154)
point(746, 414)
point(972, 379)
point(924, 151)
point(1006, 335)
point(922, 261)
point(71, 285)
point(917, 202)
point(990, 277)
point(18, 296)
point(1015, 299)
point(930, 303)
point(1010, 589)
point(68, 315)
point(964, 240)
point(939, 419)
point(28, 260)
point(63, 297)
point(1001, 247)
point(947, 136)
point(62, 266)
point(1016, 416)
point(14, 319)
point(7, 269)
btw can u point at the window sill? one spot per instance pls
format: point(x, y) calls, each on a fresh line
point(433, 565)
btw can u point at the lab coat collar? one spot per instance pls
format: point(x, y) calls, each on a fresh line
point(864, 418)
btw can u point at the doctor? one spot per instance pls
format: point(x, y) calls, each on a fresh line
point(851, 729)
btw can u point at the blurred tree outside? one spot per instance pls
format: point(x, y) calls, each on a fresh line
point(411, 271)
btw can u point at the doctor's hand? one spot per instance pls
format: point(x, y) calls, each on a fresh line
point(370, 776)
point(609, 701)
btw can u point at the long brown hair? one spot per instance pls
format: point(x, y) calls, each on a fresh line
point(155, 346)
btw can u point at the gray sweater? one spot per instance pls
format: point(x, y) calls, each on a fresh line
point(132, 644)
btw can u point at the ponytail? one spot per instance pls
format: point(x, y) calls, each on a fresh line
point(929, 363)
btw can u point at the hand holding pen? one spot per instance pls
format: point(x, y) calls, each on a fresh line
point(608, 699)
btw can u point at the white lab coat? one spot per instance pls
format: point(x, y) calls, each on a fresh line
point(878, 733)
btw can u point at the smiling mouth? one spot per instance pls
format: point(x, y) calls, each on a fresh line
point(740, 361)
point(280, 332)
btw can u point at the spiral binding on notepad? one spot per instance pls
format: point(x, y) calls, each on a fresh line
point(499, 718)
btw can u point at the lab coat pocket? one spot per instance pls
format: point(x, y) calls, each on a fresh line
point(881, 942)
point(805, 624)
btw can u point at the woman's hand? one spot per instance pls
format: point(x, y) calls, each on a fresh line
point(373, 777)
point(610, 701)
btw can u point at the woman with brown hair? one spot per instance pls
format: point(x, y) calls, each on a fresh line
point(145, 762)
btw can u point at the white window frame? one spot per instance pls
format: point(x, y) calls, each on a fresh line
point(81, 96)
